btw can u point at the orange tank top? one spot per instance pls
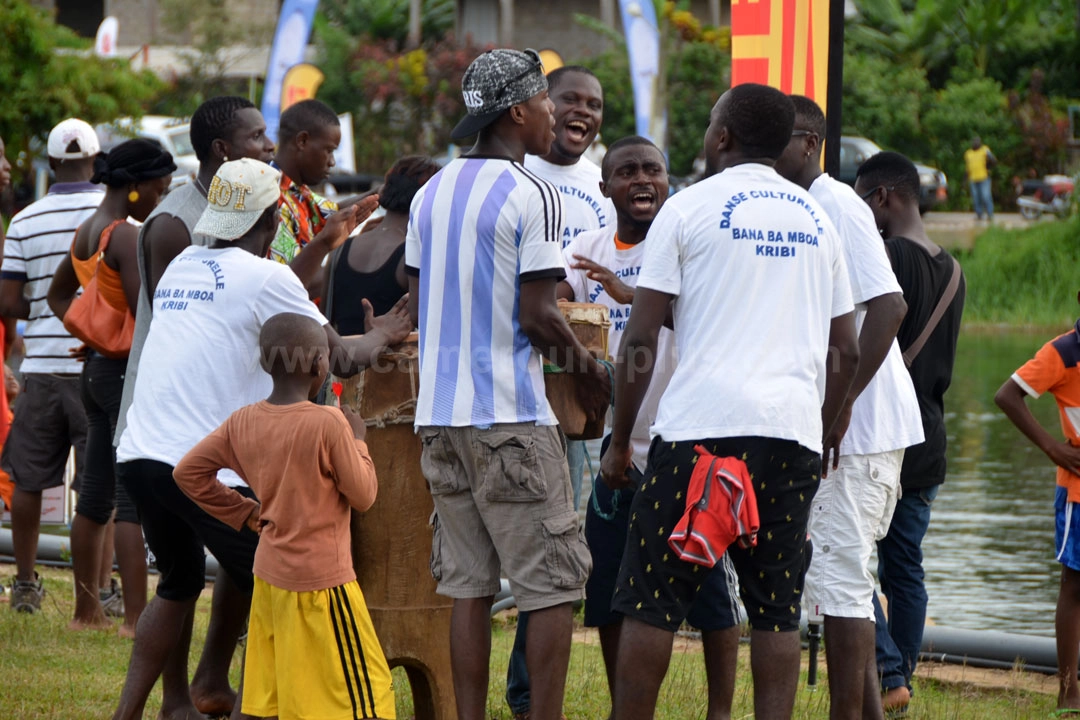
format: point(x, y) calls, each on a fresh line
point(109, 283)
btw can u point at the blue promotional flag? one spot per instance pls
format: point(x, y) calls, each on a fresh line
point(643, 51)
point(290, 41)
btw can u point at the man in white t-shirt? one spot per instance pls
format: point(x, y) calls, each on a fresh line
point(483, 256)
point(761, 298)
point(861, 472)
point(579, 113)
point(603, 267)
point(51, 418)
point(200, 363)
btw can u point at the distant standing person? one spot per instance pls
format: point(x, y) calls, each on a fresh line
point(484, 237)
point(305, 597)
point(579, 113)
point(754, 268)
point(136, 174)
point(51, 419)
point(371, 266)
point(311, 226)
point(978, 162)
point(860, 480)
point(603, 268)
point(934, 289)
point(1054, 370)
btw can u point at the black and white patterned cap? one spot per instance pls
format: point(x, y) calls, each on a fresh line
point(494, 82)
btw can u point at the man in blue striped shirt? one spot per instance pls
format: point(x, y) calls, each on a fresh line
point(483, 253)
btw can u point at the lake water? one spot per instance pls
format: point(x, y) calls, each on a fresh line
point(990, 547)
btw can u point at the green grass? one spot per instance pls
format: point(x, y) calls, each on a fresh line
point(1024, 277)
point(48, 673)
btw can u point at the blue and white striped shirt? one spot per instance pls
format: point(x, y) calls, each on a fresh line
point(477, 230)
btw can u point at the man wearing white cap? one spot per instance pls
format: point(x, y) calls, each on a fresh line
point(199, 364)
point(51, 419)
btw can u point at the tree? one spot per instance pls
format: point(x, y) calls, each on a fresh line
point(47, 74)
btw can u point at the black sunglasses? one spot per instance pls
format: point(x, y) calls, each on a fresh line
point(537, 64)
point(866, 195)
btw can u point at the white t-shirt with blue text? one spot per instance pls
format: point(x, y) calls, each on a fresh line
point(599, 246)
point(758, 272)
point(584, 206)
point(200, 362)
point(886, 414)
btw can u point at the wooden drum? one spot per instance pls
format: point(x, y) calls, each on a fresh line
point(590, 323)
point(391, 542)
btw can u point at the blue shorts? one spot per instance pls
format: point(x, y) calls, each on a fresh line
point(1066, 530)
point(607, 517)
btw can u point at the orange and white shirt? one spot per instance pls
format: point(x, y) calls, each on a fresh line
point(1056, 369)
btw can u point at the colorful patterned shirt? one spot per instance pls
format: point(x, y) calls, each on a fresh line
point(303, 215)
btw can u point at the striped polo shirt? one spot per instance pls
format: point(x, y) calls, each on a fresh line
point(477, 230)
point(37, 240)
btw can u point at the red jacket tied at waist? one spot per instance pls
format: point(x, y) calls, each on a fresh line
point(720, 508)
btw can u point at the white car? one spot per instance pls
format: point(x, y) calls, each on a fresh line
point(172, 132)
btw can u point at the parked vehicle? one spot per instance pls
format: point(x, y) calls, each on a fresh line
point(1050, 194)
point(854, 151)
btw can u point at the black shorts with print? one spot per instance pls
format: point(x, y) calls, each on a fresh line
point(656, 587)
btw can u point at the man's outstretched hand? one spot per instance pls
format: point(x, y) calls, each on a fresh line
point(395, 324)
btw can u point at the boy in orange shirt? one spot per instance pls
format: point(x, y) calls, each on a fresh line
point(311, 649)
point(1056, 369)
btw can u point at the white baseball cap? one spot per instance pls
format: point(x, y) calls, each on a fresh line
point(77, 131)
point(239, 194)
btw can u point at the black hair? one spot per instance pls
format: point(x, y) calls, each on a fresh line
point(289, 343)
point(310, 115)
point(605, 164)
point(133, 161)
point(556, 75)
point(893, 171)
point(404, 179)
point(760, 119)
point(215, 119)
point(810, 114)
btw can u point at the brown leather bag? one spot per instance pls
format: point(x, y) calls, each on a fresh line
point(93, 320)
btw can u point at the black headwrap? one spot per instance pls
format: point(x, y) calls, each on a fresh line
point(132, 162)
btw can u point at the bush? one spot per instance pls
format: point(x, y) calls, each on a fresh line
point(41, 86)
point(402, 102)
point(883, 102)
point(1023, 277)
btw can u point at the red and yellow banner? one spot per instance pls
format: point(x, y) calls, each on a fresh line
point(782, 43)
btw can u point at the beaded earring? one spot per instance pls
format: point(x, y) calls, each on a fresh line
point(133, 197)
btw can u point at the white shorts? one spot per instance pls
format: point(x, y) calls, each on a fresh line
point(851, 511)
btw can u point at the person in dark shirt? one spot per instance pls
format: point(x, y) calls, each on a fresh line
point(373, 267)
point(934, 290)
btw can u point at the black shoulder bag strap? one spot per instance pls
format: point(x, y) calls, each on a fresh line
point(935, 317)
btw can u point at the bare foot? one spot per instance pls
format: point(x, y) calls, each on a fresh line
point(126, 632)
point(185, 713)
point(102, 624)
point(214, 703)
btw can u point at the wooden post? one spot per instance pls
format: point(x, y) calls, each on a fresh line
point(714, 12)
point(506, 23)
point(416, 13)
point(607, 12)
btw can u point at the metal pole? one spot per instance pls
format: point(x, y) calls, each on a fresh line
point(835, 92)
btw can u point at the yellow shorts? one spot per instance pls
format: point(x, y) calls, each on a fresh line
point(314, 656)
